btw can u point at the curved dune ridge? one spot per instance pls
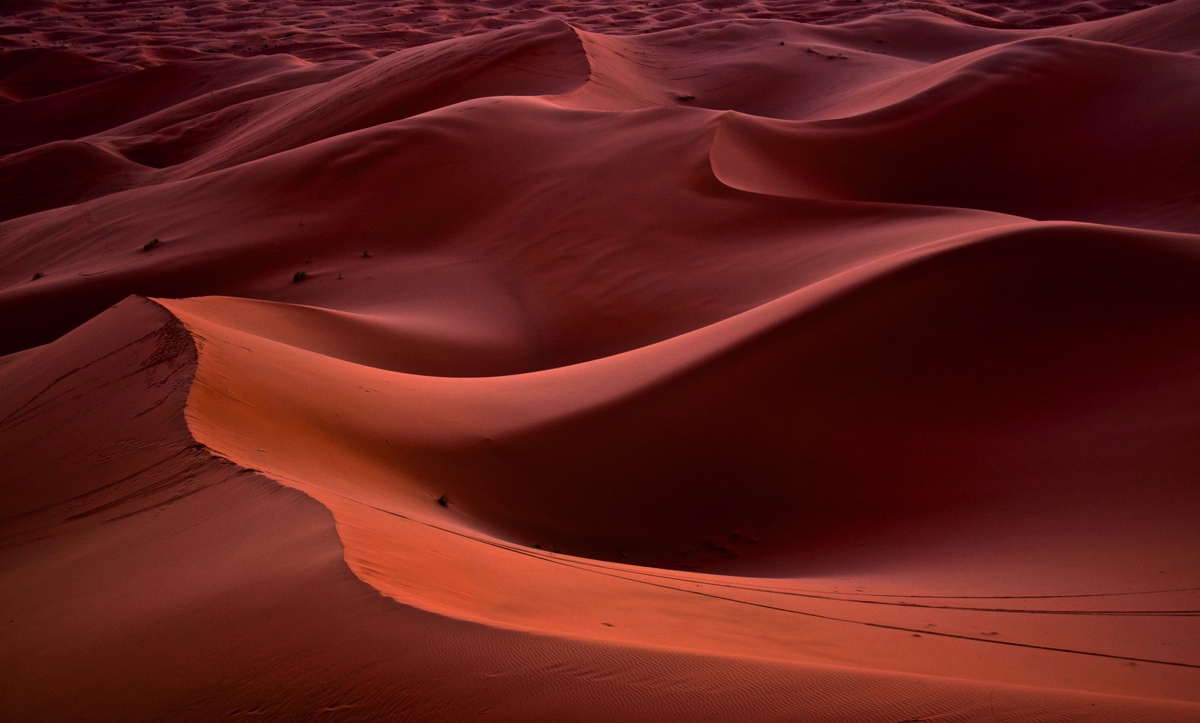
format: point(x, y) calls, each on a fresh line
point(684, 361)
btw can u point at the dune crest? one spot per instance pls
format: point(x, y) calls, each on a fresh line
point(828, 362)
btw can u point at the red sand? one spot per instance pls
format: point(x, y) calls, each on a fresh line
point(813, 361)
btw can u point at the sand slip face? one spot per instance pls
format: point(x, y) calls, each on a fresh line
point(731, 363)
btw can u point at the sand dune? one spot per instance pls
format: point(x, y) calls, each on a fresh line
point(982, 127)
point(678, 361)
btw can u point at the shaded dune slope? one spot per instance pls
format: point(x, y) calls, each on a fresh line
point(190, 568)
point(742, 370)
point(1122, 150)
point(904, 376)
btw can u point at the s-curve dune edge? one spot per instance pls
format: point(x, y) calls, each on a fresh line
point(679, 361)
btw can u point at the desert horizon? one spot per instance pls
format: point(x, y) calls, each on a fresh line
point(680, 361)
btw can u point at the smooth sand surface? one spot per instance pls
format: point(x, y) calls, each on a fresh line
point(772, 361)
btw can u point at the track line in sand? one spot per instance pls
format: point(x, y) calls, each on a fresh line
point(545, 557)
